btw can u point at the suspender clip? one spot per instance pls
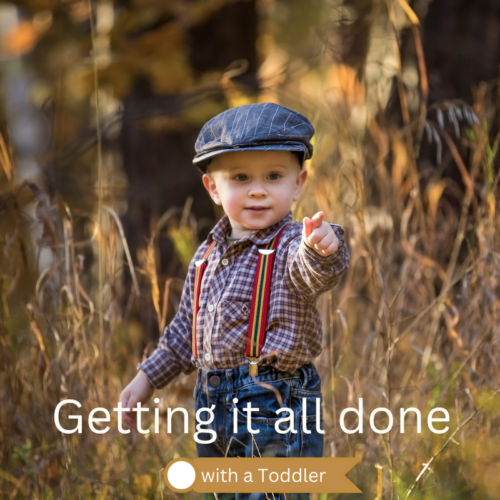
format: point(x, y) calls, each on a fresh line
point(253, 367)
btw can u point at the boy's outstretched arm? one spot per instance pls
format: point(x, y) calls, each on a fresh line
point(317, 260)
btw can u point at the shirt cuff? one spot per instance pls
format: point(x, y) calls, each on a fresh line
point(159, 368)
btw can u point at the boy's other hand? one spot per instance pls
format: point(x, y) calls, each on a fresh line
point(319, 235)
point(138, 391)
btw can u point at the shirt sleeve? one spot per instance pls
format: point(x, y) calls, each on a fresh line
point(173, 354)
point(310, 274)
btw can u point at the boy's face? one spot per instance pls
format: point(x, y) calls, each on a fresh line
point(255, 188)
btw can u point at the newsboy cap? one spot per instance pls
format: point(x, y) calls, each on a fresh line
point(254, 127)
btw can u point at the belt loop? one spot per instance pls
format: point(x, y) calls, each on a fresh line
point(207, 390)
point(204, 384)
point(230, 387)
point(306, 376)
point(197, 385)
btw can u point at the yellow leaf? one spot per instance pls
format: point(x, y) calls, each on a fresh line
point(184, 243)
point(153, 279)
point(434, 193)
point(399, 165)
point(142, 484)
point(6, 159)
point(490, 200)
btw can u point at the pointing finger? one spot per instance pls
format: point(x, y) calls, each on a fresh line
point(318, 219)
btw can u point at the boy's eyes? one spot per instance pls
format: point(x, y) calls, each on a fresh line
point(240, 177)
point(243, 177)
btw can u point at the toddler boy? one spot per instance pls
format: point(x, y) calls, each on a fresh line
point(248, 318)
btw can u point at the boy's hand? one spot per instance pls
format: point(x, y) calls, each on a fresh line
point(138, 391)
point(319, 235)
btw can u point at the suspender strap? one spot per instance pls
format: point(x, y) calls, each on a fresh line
point(260, 303)
point(198, 277)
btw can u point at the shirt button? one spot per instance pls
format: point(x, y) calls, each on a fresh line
point(225, 262)
point(207, 356)
point(210, 307)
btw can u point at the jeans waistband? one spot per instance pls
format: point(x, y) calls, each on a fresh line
point(235, 378)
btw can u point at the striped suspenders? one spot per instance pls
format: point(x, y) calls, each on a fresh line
point(201, 265)
point(260, 300)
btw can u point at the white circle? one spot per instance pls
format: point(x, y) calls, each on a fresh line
point(181, 475)
point(225, 262)
point(210, 307)
point(207, 356)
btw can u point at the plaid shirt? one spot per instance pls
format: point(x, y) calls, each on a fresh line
point(294, 326)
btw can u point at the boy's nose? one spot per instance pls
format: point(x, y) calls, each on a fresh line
point(257, 190)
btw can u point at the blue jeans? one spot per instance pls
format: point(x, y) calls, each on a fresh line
point(269, 391)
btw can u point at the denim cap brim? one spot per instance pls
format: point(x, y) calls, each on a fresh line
point(202, 161)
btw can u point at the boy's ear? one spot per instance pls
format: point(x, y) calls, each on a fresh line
point(301, 179)
point(211, 187)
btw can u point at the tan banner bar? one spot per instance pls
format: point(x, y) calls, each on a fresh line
point(260, 475)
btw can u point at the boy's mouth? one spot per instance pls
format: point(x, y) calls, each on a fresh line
point(257, 209)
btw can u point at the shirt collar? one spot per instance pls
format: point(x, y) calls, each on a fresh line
point(259, 236)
